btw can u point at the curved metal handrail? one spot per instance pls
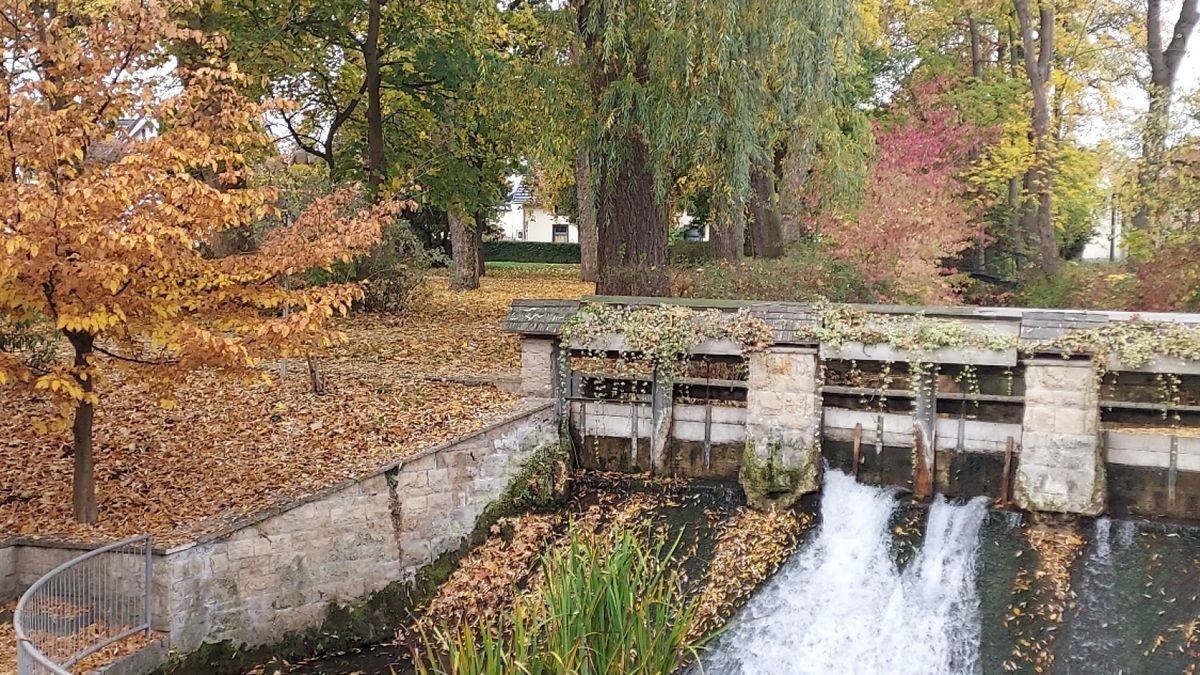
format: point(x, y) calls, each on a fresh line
point(27, 647)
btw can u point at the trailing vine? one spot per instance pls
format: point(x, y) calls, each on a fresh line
point(1135, 342)
point(915, 333)
point(664, 335)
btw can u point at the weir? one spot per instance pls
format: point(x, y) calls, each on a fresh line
point(844, 605)
point(1010, 404)
point(955, 589)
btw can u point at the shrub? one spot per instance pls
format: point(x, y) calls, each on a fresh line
point(392, 274)
point(531, 251)
point(806, 274)
point(28, 339)
point(1083, 286)
point(609, 604)
point(690, 253)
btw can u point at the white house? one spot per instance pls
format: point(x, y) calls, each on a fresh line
point(526, 218)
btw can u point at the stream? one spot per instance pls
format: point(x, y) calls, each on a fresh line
point(847, 601)
point(881, 584)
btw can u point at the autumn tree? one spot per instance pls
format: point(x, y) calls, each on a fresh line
point(1037, 50)
point(915, 217)
point(1165, 57)
point(104, 235)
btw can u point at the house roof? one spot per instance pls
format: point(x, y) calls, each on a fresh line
point(132, 127)
point(520, 195)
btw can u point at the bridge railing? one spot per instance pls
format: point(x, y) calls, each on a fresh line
point(83, 606)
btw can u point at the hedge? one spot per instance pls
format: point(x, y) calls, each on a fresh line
point(530, 251)
point(681, 253)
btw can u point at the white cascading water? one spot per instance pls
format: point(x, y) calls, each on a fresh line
point(841, 606)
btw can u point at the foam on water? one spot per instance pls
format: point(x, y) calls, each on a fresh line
point(842, 606)
point(1090, 637)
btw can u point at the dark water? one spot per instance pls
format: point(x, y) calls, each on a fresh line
point(884, 586)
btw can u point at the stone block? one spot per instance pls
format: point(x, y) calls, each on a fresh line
point(1060, 375)
point(422, 463)
point(440, 503)
point(537, 367)
point(1077, 422)
point(407, 479)
point(1062, 474)
point(414, 505)
point(441, 479)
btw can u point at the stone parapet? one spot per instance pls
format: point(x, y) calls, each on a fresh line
point(285, 571)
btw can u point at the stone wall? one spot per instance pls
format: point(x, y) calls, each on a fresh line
point(1061, 467)
point(282, 571)
point(783, 424)
point(8, 573)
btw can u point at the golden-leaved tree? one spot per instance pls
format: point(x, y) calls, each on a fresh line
point(104, 234)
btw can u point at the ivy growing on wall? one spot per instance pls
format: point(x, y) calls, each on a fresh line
point(1135, 342)
point(664, 335)
point(915, 333)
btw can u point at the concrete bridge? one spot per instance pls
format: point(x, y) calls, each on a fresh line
point(1044, 430)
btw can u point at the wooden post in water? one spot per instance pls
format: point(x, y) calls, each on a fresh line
point(857, 448)
point(1172, 470)
point(924, 430)
point(1006, 477)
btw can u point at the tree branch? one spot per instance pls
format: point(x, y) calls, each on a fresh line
point(1189, 14)
point(130, 359)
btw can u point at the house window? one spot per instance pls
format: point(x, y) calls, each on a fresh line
point(561, 235)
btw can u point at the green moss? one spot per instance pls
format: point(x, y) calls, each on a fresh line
point(769, 484)
point(541, 484)
point(344, 627)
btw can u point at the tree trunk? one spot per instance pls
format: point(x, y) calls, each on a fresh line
point(83, 483)
point(374, 164)
point(1164, 67)
point(585, 213)
point(766, 236)
point(976, 48)
point(1039, 215)
point(727, 230)
point(632, 226)
point(481, 224)
point(464, 258)
point(1015, 233)
point(315, 378)
point(795, 166)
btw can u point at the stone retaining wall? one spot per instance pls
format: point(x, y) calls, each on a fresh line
point(283, 571)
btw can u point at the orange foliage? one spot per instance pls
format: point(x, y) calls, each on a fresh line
point(103, 233)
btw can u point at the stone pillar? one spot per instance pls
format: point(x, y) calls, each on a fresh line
point(783, 418)
point(1061, 468)
point(538, 366)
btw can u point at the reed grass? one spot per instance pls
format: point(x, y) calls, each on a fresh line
point(607, 604)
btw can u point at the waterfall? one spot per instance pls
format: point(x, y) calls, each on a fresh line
point(842, 606)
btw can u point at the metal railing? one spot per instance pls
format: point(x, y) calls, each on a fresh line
point(83, 606)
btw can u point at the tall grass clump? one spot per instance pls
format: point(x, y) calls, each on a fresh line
point(611, 603)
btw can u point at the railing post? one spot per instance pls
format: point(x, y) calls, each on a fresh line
point(149, 584)
point(57, 602)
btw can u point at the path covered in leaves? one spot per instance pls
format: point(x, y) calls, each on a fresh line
point(232, 449)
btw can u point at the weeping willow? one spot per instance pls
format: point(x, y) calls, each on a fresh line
point(723, 84)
